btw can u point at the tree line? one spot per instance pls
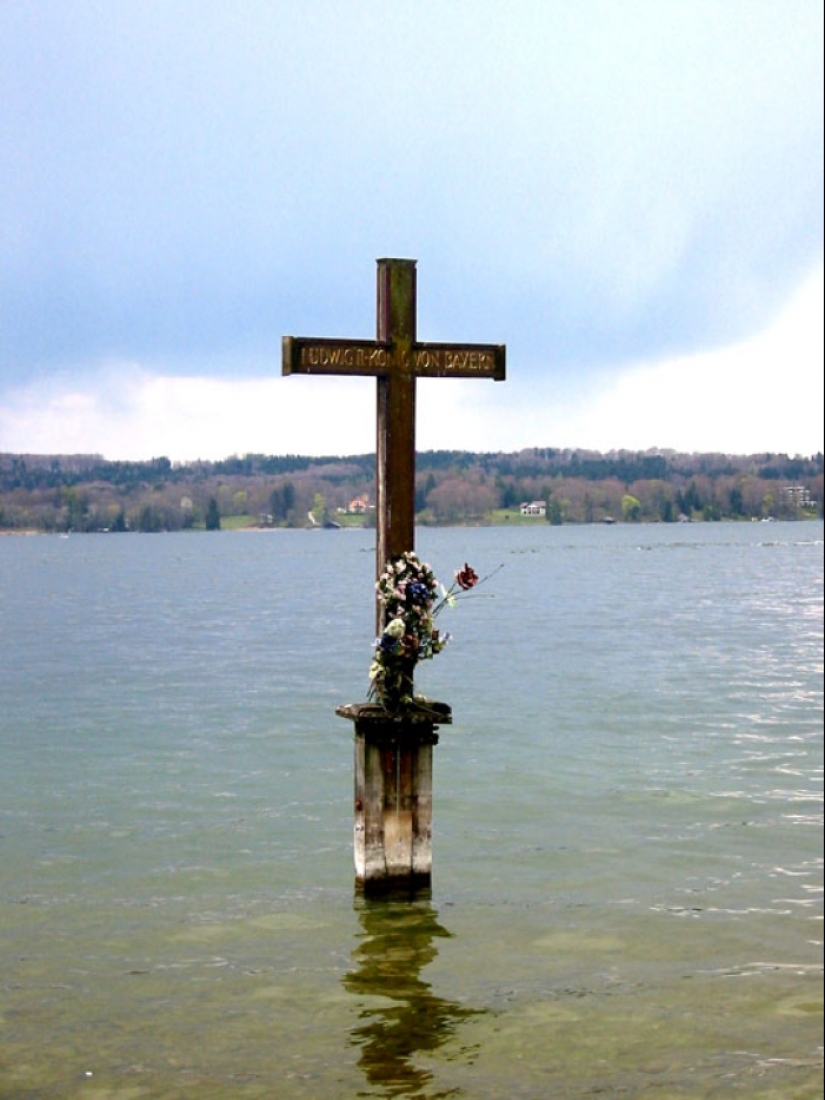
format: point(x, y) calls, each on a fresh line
point(88, 493)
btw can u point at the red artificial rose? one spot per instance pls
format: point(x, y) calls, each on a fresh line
point(466, 577)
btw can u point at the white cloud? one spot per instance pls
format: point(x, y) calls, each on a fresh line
point(765, 394)
point(637, 177)
point(131, 413)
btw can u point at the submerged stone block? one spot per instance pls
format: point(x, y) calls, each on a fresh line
point(392, 830)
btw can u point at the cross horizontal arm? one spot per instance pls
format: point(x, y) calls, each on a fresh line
point(306, 355)
point(459, 361)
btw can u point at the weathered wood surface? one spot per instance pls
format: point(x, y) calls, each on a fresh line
point(395, 359)
point(392, 830)
point(394, 752)
point(375, 719)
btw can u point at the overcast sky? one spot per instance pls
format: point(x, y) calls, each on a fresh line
point(627, 193)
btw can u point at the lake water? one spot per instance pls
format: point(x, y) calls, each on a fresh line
point(627, 887)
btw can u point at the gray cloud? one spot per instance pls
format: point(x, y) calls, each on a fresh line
point(590, 182)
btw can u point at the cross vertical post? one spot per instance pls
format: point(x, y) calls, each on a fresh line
point(395, 359)
point(395, 442)
point(393, 751)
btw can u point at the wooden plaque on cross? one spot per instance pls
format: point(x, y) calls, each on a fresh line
point(396, 359)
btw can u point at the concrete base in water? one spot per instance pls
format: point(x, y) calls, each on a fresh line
point(392, 830)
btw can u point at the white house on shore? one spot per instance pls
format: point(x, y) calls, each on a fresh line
point(798, 496)
point(534, 508)
point(359, 506)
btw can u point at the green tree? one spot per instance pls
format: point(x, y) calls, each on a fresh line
point(282, 501)
point(631, 508)
point(213, 516)
point(423, 490)
point(276, 504)
point(555, 515)
point(149, 519)
point(77, 508)
point(509, 494)
point(691, 500)
point(320, 512)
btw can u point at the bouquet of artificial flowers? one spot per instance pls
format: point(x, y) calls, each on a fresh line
point(411, 598)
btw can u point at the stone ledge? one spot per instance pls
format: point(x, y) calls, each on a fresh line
point(416, 720)
point(420, 714)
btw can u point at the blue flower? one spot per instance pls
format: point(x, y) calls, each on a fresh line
point(418, 592)
point(388, 644)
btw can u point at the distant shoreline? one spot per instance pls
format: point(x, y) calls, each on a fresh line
point(537, 524)
point(452, 488)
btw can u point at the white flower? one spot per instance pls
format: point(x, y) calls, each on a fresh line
point(395, 628)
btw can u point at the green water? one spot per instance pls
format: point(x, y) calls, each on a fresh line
point(627, 895)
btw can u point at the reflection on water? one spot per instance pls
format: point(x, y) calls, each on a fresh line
point(632, 847)
point(398, 940)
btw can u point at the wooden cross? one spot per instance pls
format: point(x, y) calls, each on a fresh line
point(395, 359)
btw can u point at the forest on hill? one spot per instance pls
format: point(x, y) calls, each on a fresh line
point(86, 493)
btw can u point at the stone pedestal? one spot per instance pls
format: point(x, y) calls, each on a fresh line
point(394, 794)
